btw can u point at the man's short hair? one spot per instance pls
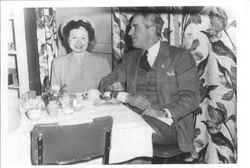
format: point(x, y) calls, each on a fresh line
point(152, 19)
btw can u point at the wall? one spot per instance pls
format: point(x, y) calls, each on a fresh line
point(32, 54)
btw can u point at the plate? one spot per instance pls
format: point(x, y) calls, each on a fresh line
point(107, 102)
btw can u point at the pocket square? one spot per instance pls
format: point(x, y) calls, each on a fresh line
point(172, 73)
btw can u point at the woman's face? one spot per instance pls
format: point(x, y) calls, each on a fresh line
point(78, 40)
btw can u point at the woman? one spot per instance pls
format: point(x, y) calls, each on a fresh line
point(79, 70)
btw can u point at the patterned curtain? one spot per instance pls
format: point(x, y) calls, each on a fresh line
point(209, 34)
point(47, 42)
point(120, 22)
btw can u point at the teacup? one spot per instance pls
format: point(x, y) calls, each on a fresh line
point(92, 95)
point(34, 114)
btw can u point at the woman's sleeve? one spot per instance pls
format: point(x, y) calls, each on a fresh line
point(54, 74)
point(106, 68)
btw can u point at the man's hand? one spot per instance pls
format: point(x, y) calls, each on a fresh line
point(154, 113)
point(117, 86)
point(138, 101)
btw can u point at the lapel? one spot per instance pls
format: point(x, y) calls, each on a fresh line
point(162, 62)
point(133, 69)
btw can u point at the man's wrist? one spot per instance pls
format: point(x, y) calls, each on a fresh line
point(122, 96)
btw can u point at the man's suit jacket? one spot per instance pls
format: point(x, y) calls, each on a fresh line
point(177, 86)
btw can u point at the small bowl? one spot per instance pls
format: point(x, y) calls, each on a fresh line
point(34, 114)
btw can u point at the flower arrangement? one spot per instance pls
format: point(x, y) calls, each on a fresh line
point(53, 93)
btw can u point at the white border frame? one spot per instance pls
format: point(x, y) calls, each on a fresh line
point(243, 10)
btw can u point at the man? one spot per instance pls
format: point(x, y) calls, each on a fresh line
point(158, 81)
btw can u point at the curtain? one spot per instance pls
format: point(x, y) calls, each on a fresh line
point(47, 42)
point(209, 34)
point(120, 22)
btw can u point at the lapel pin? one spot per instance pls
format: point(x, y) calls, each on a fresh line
point(172, 73)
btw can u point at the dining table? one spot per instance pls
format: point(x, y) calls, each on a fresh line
point(131, 136)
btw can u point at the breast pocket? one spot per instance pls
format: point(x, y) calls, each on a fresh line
point(171, 79)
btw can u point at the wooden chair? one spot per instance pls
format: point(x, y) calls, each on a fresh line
point(53, 144)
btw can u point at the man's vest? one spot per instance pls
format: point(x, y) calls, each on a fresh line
point(146, 85)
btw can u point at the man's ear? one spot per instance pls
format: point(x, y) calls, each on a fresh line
point(152, 30)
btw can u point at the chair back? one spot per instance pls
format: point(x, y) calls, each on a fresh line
point(57, 144)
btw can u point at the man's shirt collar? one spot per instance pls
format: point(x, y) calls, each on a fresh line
point(153, 52)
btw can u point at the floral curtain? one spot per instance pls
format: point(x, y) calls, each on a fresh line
point(120, 21)
point(209, 34)
point(47, 42)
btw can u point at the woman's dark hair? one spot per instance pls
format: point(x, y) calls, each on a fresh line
point(75, 25)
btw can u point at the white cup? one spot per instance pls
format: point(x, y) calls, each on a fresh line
point(92, 94)
point(34, 114)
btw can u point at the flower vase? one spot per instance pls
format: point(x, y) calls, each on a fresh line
point(53, 108)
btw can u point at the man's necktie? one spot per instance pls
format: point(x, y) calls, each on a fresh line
point(144, 61)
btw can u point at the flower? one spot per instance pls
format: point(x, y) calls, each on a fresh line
point(55, 87)
point(217, 115)
point(218, 21)
point(53, 93)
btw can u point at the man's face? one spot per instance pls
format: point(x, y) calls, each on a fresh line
point(139, 33)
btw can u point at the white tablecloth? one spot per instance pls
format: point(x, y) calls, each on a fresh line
point(131, 135)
